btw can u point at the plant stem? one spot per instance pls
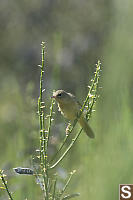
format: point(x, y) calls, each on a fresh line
point(43, 132)
point(67, 150)
point(65, 186)
point(5, 184)
point(54, 189)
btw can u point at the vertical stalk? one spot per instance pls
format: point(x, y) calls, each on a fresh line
point(43, 132)
point(5, 184)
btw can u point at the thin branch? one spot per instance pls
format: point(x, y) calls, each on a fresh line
point(54, 189)
point(66, 185)
point(67, 150)
point(5, 184)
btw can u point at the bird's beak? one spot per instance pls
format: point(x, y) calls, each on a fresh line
point(53, 97)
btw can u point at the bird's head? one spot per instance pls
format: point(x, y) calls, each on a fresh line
point(61, 96)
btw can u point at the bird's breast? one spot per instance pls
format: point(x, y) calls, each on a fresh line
point(69, 110)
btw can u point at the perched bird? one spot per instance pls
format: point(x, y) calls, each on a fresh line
point(70, 108)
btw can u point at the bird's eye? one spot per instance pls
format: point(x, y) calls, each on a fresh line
point(59, 95)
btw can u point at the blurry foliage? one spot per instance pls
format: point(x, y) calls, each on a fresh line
point(17, 121)
point(74, 32)
point(77, 34)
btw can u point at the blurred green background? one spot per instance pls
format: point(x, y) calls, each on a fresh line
point(77, 34)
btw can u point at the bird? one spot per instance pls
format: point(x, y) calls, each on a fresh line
point(70, 108)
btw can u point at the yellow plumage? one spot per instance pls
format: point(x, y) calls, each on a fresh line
point(70, 108)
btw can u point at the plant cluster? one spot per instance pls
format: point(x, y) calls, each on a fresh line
point(47, 180)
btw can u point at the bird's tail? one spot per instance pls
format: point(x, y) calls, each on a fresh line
point(83, 123)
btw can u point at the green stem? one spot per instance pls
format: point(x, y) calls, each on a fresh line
point(54, 189)
point(43, 137)
point(50, 118)
point(67, 150)
point(60, 148)
point(65, 186)
point(4, 182)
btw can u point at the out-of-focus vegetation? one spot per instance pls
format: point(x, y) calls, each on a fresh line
point(78, 33)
